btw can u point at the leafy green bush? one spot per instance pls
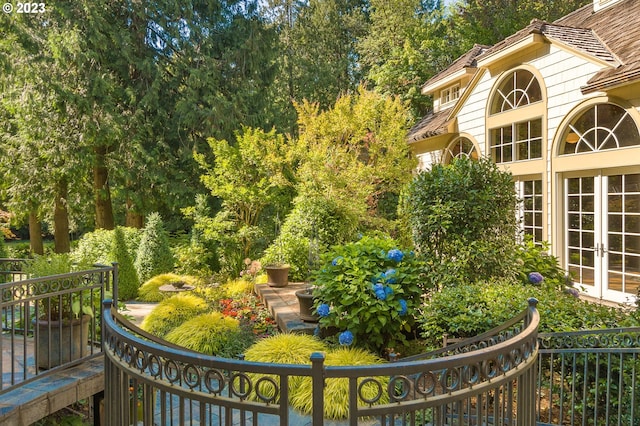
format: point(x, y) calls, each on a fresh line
point(154, 254)
point(97, 246)
point(4, 252)
point(533, 258)
point(469, 310)
point(150, 290)
point(194, 259)
point(313, 218)
point(370, 288)
point(212, 334)
point(128, 281)
point(336, 391)
point(282, 349)
point(463, 220)
point(172, 312)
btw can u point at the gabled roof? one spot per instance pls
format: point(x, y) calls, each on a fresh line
point(467, 60)
point(618, 27)
point(582, 39)
point(611, 36)
point(432, 124)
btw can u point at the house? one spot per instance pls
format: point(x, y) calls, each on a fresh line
point(558, 105)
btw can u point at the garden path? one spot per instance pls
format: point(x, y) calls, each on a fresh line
point(283, 304)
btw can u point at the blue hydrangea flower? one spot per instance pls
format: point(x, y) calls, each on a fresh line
point(337, 261)
point(403, 307)
point(381, 294)
point(345, 338)
point(573, 291)
point(323, 310)
point(395, 255)
point(388, 291)
point(535, 277)
point(390, 276)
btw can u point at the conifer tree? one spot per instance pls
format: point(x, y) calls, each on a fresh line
point(128, 282)
point(154, 254)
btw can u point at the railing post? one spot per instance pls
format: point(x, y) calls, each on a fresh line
point(317, 379)
point(533, 303)
point(115, 283)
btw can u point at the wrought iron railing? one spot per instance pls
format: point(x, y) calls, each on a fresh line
point(490, 379)
point(589, 378)
point(37, 337)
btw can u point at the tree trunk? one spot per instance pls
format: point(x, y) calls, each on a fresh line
point(132, 218)
point(104, 208)
point(35, 233)
point(62, 243)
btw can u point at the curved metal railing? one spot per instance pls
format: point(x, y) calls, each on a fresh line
point(489, 379)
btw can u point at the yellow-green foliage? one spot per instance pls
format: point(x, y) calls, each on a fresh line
point(172, 312)
point(237, 288)
point(150, 290)
point(283, 349)
point(261, 279)
point(210, 333)
point(336, 391)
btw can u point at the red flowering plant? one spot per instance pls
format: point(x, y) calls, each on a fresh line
point(251, 313)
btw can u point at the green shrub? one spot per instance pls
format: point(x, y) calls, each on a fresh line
point(313, 218)
point(469, 310)
point(534, 257)
point(194, 259)
point(98, 246)
point(370, 288)
point(336, 391)
point(128, 281)
point(44, 266)
point(463, 221)
point(172, 312)
point(154, 254)
point(212, 334)
point(236, 288)
point(282, 349)
point(150, 290)
point(4, 252)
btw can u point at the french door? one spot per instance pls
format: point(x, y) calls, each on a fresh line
point(603, 234)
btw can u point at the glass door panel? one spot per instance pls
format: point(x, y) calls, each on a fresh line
point(623, 233)
point(581, 235)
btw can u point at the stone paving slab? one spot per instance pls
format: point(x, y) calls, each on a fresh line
point(283, 304)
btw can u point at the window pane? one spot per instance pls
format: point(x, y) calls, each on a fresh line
point(632, 183)
point(587, 222)
point(615, 184)
point(632, 244)
point(615, 203)
point(632, 203)
point(615, 223)
point(587, 258)
point(632, 223)
point(615, 281)
point(615, 262)
point(587, 240)
point(615, 242)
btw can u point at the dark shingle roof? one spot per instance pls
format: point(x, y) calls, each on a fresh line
point(618, 27)
point(432, 124)
point(467, 60)
point(582, 39)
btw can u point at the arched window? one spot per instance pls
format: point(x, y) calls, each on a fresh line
point(515, 118)
point(599, 128)
point(520, 88)
point(460, 147)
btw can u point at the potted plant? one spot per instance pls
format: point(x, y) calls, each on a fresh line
point(305, 296)
point(63, 321)
point(278, 270)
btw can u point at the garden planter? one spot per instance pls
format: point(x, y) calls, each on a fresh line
point(278, 276)
point(62, 342)
point(305, 300)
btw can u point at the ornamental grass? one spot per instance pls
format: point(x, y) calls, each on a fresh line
point(150, 290)
point(172, 312)
point(336, 391)
point(282, 349)
point(212, 334)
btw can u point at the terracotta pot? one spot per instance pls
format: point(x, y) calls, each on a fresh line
point(277, 276)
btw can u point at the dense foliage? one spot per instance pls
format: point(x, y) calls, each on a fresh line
point(128, 281)
point(370, 289)
point(154, 254)
point(463, 220)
